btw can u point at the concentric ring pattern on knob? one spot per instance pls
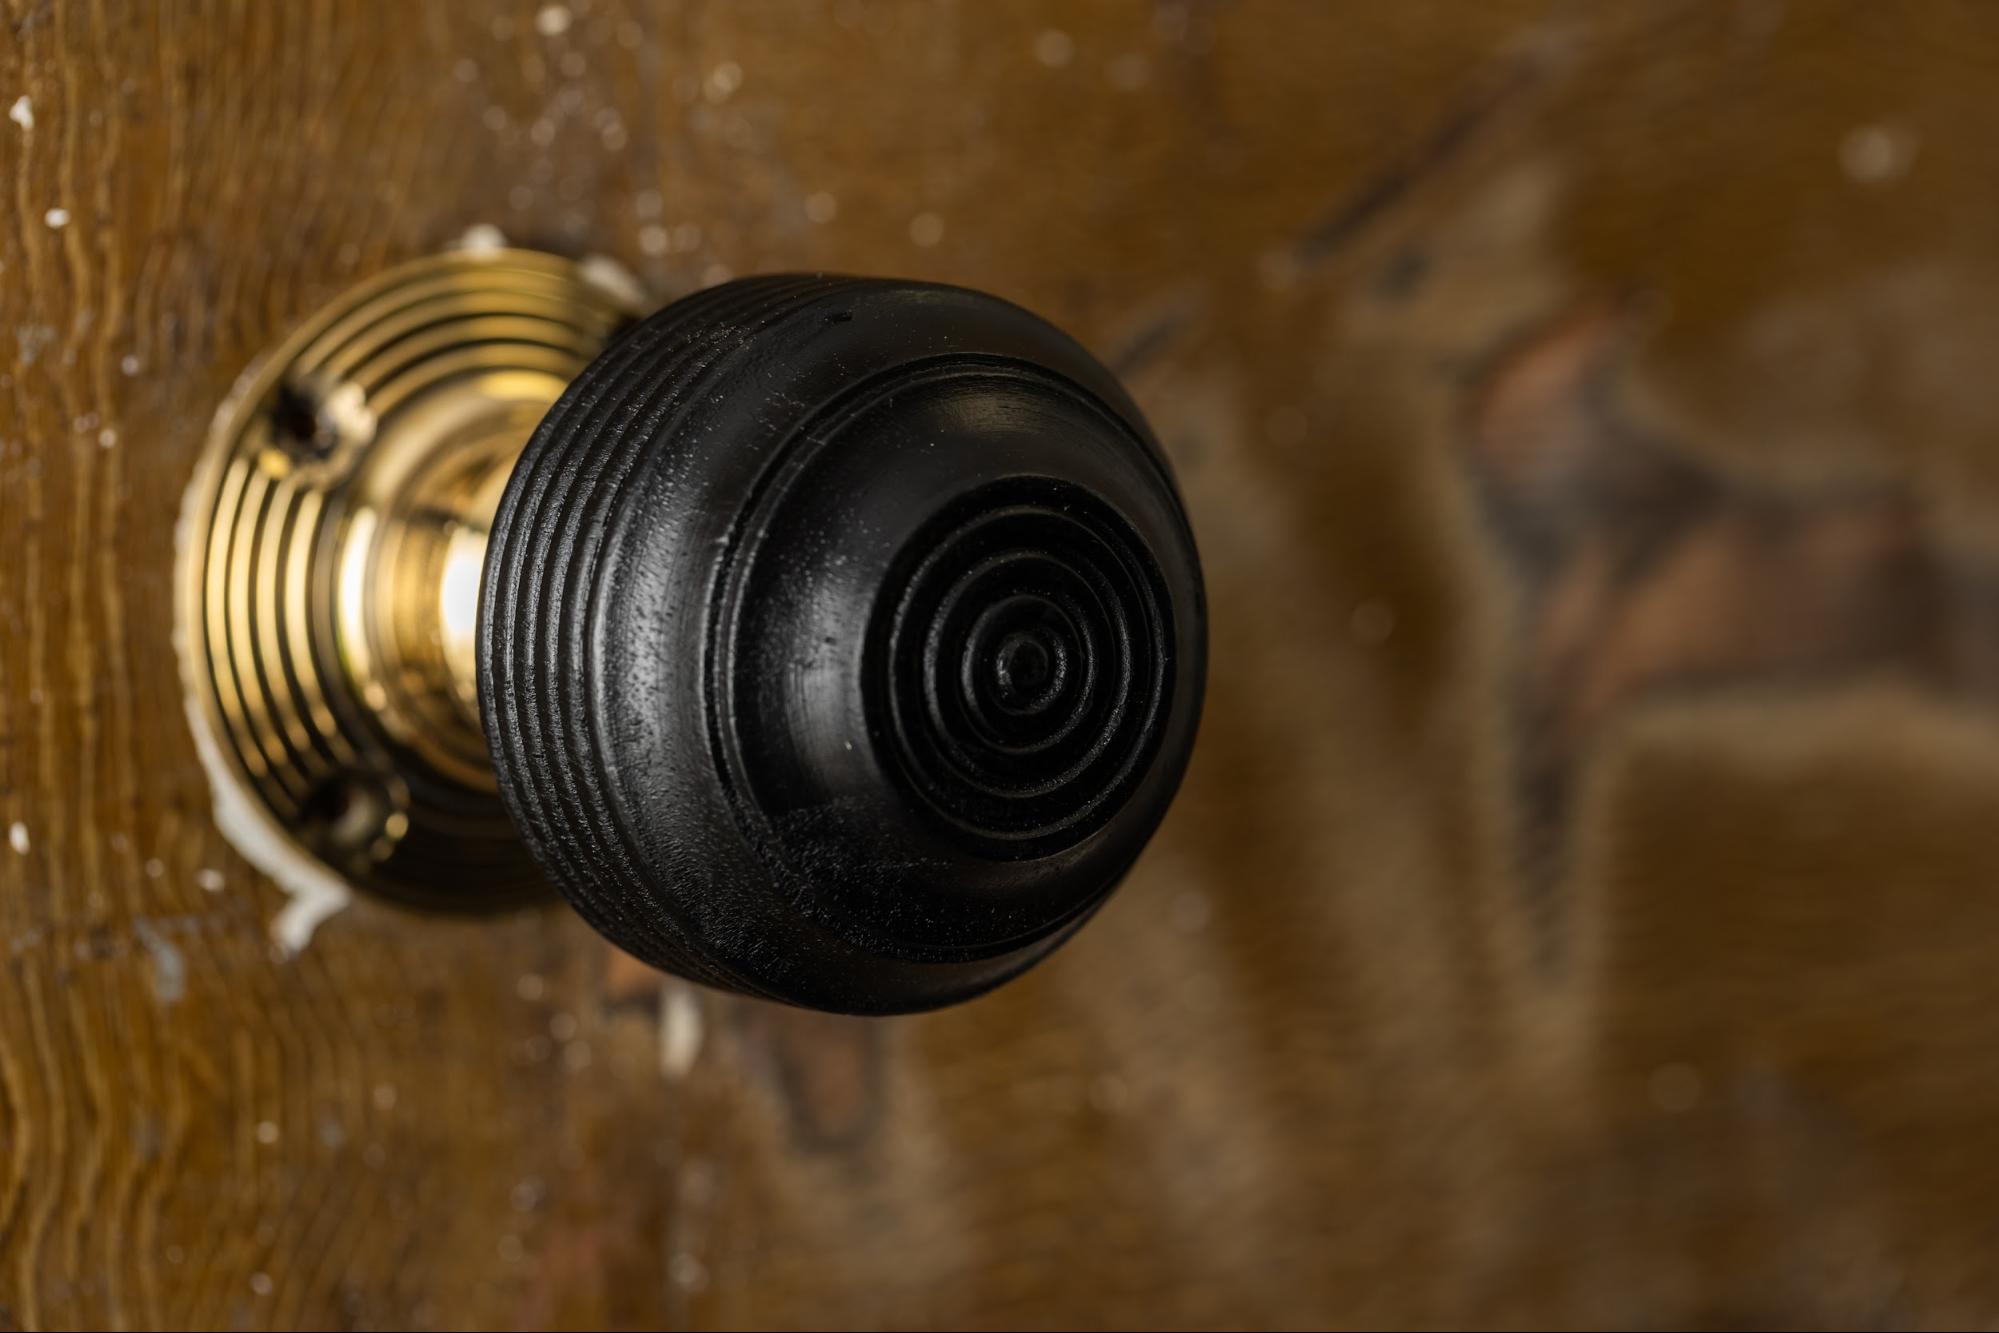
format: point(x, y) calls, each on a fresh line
point(1026, 658)
point(841, 640)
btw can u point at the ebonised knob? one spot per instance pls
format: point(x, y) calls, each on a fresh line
point(840, 641)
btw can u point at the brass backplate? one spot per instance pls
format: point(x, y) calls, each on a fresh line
point(330, 562)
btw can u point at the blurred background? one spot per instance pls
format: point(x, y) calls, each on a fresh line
point(1582, 906)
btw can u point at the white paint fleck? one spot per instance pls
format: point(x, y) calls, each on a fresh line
point(30, 339)
point(1877, 154)
point(1054, 48)
point(553, 20)
point(169, 968)
point(211, 881)
point(267, 1131)
point(261, 1283)
point(613, 279)
point(57, 218)
point(17, 837)
point(130, 365)
point(680, 1028)
point(22, 113)
point(107, 438)
point(653, 240)
point(155, 868)
point(821, 207)
point(926, 229)
point(293, 927)
point(481, 238)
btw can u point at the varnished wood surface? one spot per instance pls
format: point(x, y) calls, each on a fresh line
point(1583, 902)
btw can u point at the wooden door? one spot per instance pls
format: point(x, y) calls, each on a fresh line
point(1583, 903)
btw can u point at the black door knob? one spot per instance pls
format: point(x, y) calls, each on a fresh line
point(841, 641)
point(828, 639)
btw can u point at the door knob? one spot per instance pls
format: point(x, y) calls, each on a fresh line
point(834, 640)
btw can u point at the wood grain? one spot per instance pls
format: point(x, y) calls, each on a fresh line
point(1320, 1061)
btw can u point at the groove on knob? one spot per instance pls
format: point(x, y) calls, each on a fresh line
point(548, 538)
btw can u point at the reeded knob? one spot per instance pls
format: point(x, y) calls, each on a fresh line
point(840, 641)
